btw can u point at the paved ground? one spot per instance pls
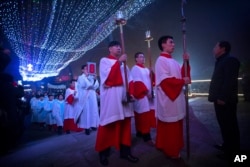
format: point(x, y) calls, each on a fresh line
point(41, 148)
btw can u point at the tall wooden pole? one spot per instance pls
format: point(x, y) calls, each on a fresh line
point(148, 39)
point(183, 21)
point(121, 21)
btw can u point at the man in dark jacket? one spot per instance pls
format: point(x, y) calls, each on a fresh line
point(223, 93)
point(10, 123)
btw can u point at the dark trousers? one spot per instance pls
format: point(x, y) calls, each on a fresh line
point(227, 119)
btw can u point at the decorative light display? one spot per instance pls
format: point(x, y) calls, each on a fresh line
point(47, 35)
point(30, 66)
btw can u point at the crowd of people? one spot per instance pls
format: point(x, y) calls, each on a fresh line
point(75, 110)
point(52, 112)
point(125, 94)
point(154, 102)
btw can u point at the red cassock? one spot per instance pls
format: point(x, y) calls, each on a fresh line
point(144, 115)
point(170, 105)
point(69, 123)
point(115, 123)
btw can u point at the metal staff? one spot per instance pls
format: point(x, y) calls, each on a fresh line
point(183, 21)
point(121, 21)
point(148, 39)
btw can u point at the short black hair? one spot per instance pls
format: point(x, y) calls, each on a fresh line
point(51, 94)
point(41, 95)
point(137, 54)
point(73, 80)
point(83, 66)
point(162, 40)
point(226, 45)
point(114, 43)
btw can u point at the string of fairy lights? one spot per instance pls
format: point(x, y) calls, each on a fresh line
point(47, 35)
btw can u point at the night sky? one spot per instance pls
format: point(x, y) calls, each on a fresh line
point(208, 21)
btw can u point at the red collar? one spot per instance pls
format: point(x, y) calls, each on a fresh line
point(140, 65)
point(72, 88)
point(165, 55)
point(112, 57)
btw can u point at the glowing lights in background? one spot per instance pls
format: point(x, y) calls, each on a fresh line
point(30, 66)
point(200, 87)
point(47, 35)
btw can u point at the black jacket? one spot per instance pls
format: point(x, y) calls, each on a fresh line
point(224, 83)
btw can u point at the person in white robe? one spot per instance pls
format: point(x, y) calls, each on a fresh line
point(143, 87)
point(115, 109)
point(34, 110)
point(87, 106)
point(40, 110)
point(48, 106)
point(71, 97)
point(170, 100)
point(58, 113)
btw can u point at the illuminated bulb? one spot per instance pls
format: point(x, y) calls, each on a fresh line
point(30, 67)
point(52, 34)
point(119, 15)
point(148, 34)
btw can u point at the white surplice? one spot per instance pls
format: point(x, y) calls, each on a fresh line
point(87, 105)
point(111, 107)
point(166, 109)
